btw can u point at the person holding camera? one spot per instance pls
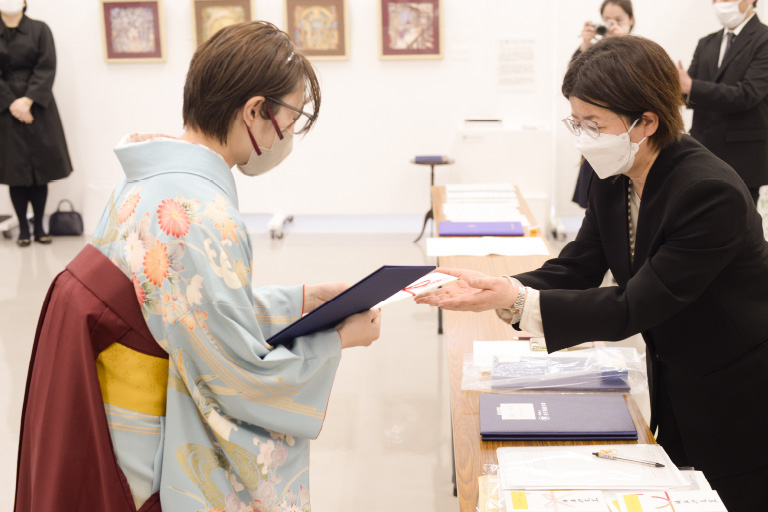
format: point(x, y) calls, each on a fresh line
point(618, 19)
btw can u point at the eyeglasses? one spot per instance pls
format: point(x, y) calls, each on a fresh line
point(302, 123)
point(591, 128)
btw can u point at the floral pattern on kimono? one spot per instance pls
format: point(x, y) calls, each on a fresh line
point(239, 413)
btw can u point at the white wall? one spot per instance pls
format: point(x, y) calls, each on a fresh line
point(376, 115)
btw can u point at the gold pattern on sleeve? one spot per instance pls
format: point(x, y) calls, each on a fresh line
point(113, 229)
point(198, 462)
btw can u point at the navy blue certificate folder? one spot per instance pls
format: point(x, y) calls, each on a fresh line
point(449, 228)
point(555, 417)
point(362, 296)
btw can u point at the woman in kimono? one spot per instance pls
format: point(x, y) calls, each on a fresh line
point(231, 431)
point(33, 150)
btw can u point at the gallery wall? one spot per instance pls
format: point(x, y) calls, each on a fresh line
point(376, 115)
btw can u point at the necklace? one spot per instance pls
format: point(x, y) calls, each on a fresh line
point(630, 191)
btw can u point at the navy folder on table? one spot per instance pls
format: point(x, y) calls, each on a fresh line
point(450, 228)
point(362, 296)
point(555, 417)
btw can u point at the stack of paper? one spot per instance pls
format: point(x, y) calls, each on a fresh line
point(575, 467)
point(553, 501)
point(483, 246)
point(670, 501)
point(487, 202)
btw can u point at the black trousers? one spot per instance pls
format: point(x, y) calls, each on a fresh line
point(743, 492)
point(21, 197)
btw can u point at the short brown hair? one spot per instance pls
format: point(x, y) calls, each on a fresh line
point(237, 63)
point(629, 76)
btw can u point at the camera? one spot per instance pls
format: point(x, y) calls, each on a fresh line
point(602, 28)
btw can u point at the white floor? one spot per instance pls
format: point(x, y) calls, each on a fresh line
point(386, 442)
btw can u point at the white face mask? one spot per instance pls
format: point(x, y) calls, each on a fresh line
point(269, 158)
point(729, 15)
point(609, 155)
point(11, 6)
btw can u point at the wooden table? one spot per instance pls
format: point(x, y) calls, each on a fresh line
point(461, 329)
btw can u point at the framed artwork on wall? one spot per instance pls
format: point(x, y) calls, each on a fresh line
point(132, 30)
point(212, 15)
point(411, 29)
point(318, 28)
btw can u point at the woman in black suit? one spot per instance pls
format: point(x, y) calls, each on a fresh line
point(678, 229)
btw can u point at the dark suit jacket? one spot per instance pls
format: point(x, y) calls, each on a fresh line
point(66, 461)
point(730, 103)
point(698, 293)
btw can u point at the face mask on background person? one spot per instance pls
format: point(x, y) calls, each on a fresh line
point(729, 15)
point(264, 160)
point(11, 6)
point(609, 155)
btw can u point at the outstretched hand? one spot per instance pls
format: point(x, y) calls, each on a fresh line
point(473, 291)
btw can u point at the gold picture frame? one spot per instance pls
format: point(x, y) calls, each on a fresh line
point(132, 30)
point(210, 16)
point(319, 28)
point(410, 29)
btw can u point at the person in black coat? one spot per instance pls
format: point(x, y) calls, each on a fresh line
point(678, 229)
point(33, 150)
point(727, 88)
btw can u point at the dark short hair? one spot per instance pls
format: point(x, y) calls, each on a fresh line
point(629, 76)
point(626, 6)
point(237, 63)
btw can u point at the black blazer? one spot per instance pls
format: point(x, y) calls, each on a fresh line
point(30, 154)
point(730, 103)
point(698, 293)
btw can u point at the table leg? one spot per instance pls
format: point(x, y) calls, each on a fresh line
point(429, 215)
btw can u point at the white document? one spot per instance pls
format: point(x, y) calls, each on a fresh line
point(671, 501)
point(485, 245)
point(480, 187)
point(575, 467)
point(426, 283)
point(485, 351)
point(496, 211)
point(550, 501)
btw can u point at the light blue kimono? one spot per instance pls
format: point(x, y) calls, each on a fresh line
point(239, 415)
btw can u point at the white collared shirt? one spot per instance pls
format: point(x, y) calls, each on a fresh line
point(724, 42)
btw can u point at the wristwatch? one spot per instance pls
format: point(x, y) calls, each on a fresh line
point(517, 307)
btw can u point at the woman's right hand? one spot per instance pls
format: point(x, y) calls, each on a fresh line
point(588, 33)
point(360, 330)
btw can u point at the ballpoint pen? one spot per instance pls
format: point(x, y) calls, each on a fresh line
point(624, 459)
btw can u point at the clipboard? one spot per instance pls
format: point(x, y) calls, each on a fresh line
point(362, 296)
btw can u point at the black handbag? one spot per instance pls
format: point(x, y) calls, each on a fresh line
point(65, 223)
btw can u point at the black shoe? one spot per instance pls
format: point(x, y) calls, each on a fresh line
point(45, 239)
point(23, 242)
